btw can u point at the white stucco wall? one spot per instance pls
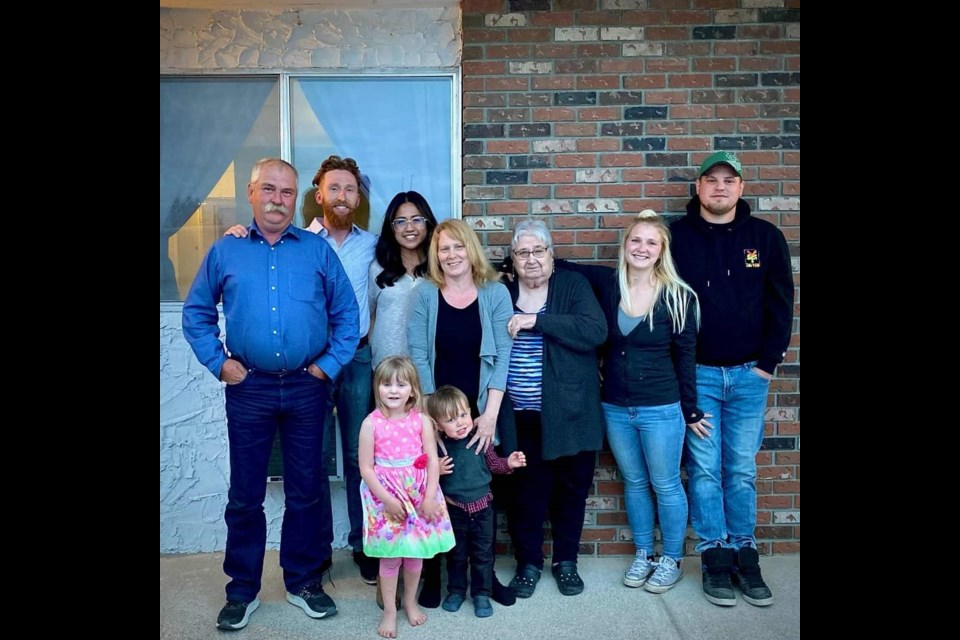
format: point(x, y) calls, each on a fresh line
point(194, 461)
point(309, 39)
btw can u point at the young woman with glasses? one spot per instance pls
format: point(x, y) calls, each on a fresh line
point(400, 265)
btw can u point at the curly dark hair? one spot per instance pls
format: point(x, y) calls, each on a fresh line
point(334, 163)
point(388, 249)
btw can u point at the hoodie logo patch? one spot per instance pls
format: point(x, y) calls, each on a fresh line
point(751, 258)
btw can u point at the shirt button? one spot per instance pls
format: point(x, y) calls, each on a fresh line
point(274, 332)
point(274, 288)
point(273, 308)
point(278, 355)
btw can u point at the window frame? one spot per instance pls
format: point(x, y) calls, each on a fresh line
point(285, 80)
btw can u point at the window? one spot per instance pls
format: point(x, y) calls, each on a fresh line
point(212, 130)
point(403, 130)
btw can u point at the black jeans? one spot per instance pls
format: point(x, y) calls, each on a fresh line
point(474, 534)
point(558, 487)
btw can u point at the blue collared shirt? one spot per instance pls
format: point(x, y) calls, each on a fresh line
point(356, 253)
point(287, 305)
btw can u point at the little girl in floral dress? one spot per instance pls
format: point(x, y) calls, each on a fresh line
point(405, 515)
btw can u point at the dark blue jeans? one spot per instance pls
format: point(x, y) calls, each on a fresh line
point(352, 394)
point(474, 536)
point(295, 404)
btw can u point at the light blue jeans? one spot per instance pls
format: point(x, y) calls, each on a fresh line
point(723, 467)
point(648, 443)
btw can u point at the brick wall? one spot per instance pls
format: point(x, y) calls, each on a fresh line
point(585, 112)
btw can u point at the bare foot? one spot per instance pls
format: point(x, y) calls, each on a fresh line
point(388, 625)
point(414, 614)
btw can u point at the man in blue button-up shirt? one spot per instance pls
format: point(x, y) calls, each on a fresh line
point(291, 326)
point(338, 194)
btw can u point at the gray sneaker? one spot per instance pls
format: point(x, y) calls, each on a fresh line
point(639, 571)
point(667, 574)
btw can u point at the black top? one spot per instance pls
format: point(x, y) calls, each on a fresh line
point(742, 275)
point(458, 349)
point(649, 368)
point(572, 327)
point(470, 480)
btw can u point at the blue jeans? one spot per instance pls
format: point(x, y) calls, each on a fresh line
point(723, 467)
point(648, 444)
point(351, 395)
point(295, 404)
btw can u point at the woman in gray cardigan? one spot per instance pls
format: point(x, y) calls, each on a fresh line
point(555, 391)
point(463, 287)
point(457, 335)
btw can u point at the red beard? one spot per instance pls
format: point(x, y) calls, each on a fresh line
point(335, 221)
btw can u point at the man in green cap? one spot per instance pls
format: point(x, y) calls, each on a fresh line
point(740, 268)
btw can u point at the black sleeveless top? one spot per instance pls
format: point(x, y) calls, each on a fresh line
point(458, 339)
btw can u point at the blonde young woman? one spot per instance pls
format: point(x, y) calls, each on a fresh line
point(457, 335)
point(650, 393)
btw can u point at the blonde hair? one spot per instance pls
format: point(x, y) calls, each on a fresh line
point(459, 231)
point(668, 285)
point(400, 368)
point(446, 402)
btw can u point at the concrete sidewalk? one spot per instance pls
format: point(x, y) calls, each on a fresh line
point(191, 595)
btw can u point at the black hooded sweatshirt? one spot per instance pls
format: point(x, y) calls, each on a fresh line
point(742, 275)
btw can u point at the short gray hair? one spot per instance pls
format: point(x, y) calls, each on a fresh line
point(531, 227)
point(259, 166)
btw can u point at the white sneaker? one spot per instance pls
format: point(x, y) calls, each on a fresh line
point(666, 575)
point(639, 571)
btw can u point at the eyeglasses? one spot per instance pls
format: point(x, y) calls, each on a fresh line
point(523, 255)
point(402, 223)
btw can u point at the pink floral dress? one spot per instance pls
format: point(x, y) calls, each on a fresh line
point(401, 467)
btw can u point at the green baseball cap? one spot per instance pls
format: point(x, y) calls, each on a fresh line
point(721, 157)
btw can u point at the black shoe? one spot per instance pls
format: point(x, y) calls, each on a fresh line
point(235, 615)
point(717, 568)
point(453, 602)
point(568, 580)
point(481, 607)
point(314, 602)
point(369, 567)
point(525, 582)
point(504, 596)
point(430, 594)
point(748, 578)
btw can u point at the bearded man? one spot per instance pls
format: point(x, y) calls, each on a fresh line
point(338, 194)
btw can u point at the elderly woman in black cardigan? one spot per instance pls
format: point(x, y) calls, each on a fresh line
point(553, 383)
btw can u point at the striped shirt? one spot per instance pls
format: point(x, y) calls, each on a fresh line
point(525, 376)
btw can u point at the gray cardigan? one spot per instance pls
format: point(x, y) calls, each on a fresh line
point(495, 343)
point(572, 327)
